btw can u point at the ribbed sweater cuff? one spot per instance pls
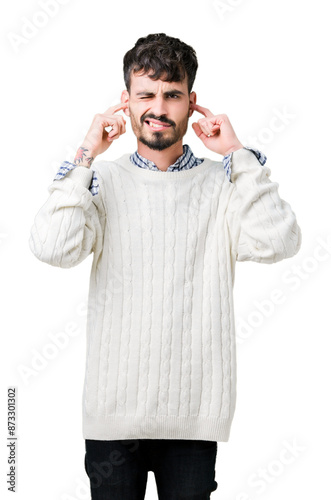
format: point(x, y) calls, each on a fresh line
point(82, 175)
point(245, 161)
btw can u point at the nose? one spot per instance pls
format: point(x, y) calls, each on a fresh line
point(159, 106)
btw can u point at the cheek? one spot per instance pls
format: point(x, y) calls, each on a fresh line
point(183, 112)
point(136, 112)
point(185, 115)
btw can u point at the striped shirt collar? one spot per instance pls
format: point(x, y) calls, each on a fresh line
point(184, 162)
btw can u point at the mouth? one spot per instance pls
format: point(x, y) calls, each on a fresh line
point(156, 125)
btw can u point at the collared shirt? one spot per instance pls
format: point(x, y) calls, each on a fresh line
point(184, 162)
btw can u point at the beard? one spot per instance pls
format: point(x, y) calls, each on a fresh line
point(159, 140)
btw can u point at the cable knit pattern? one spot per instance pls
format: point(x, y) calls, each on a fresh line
point(160, 333)
point(268, 232)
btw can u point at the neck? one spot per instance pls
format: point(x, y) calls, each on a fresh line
point(162, 159)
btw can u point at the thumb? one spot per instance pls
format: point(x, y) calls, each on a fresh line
point(198, 131)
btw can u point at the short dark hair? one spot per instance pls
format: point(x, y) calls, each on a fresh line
point(165, 56)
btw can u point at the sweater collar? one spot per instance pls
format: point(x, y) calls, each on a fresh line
point(185, 161)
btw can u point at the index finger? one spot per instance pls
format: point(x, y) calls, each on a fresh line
point(205, 111)
point(114, 109)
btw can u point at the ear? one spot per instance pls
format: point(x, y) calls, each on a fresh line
point(125, 99)
point(193, 99)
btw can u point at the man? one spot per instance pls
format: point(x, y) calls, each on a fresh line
point(166, 229)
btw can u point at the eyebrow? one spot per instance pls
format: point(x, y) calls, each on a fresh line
point(168, 92)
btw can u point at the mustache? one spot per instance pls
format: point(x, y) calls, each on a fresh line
point(161, 118)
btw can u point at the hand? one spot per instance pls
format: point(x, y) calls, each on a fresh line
point(97, 139)
point(216, 132)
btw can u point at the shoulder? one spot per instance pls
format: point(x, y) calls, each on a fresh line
point(215, 167)
point(103, 168)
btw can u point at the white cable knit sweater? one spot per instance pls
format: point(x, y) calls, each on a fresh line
point(161, 354)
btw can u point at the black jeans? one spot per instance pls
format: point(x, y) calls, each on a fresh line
point(183, 469)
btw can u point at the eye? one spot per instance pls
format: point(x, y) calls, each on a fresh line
point(175, 96)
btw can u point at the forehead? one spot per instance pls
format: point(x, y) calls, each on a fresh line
point(142, 82)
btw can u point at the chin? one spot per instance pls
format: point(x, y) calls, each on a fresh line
point(157, 145)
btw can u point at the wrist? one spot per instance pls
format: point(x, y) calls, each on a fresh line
point(234, 148)
point(84, 156)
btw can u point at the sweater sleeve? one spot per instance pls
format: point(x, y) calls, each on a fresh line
point(227, 160)
point(68, 227)
point(67, 166)
point(263, 227)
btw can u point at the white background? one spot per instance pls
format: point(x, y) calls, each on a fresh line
point(257, 60)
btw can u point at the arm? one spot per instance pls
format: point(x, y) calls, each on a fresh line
point(67, 166)
point(69, 226)
point(263, 227)
point(227, 160)
point(97, 141)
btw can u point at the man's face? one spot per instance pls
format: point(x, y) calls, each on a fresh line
point(159, 111)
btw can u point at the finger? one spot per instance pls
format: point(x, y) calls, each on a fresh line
point(114, 109)
point(111, 122)
point(119, 129)
point(204, 111)
point(198, 131)
point(215, 129)
point(114, 129)
point(105, 123)
point(113, 137)
point(122, 123)
point(114, 134)
point(206, 127)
